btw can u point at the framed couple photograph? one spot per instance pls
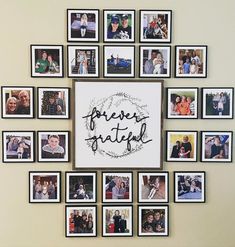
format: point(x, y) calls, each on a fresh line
point(17, 102)
point(80, 221)
point(190, 186)
point(47, 61)
point(191, 61)
point(44, 187)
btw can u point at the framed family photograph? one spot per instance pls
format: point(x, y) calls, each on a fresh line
point(83, 61)
point(17, 102)
point(153, 187)
point(216, 146)
point(181, 146)
point(155, 61)
point(191, 61)
point(53, 103)
point(118, 124)
point(119, 25)
point(182, 103)
point(189, 186)
point(44, 187)
point(155, 26)
point(117, 221)
point(119, 61)
point(217, 103)
point(80, 187)
point(117, 187)
point(83, 25)
point(80, 221)
point(53, 146)
point(47, 61)
point(18, 146)
point(153, 221)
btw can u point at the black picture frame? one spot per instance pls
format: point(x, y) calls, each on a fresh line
point(157, 173)
point(203, 200)
point(152, 207)
point(58, 173)
point(183, 133)
point(4, 115)
point(68, 103)
point(118, 207)
point(118, 173)
point(118, 13)
point(96, 27)
point(90, 173)
point(80, 207)
point(192, 47)
point(47, 48)
point(168, 101)
point(18, 160)
point(204, 103)
point(151, 11)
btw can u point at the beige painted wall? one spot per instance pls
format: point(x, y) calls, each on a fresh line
point(28, 22)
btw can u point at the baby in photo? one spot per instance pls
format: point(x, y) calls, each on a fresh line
point(158, 63)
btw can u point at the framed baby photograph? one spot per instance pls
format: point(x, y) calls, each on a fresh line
point(53, 146)
point(155, 61)
point(17, 102)
point(182, 103)
point(216, 146)
point(117, 221)
point(191, 61)
point(80, 187)
point(190, 186)
point(153, 221)
point(155, 26)
point(83, 25)
point(44, 187)
point(47, 61)
point(217, 103)
point(18, 146)
point(119, 61)
point(181, 146)
point(53, 102)
point(80, 221)
point(153, 187)
point(117, 187)
point(119, 25)
point(83, 61)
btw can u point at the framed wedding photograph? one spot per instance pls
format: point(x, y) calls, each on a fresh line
point(216, 146)
point(83, 25)
point(153, 221)
point(80, 187)
point(217, 103)
point(44, 187)
point(118, 124)
point(155, 26)
point(153, 187)
point(119, 61)
point(80, 221)
point(83, 61)
point(191, 61)
point(119, 25)
point(190, 186)
point(47, 61)
point(18, 146)
point(53, 102)
point(181, 146)
point(155, 61)
point(53, 146)
point(17, 102)
point(182, 103)
point(117, 221)
point(117, 187)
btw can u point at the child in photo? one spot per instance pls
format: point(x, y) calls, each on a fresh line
point(84, 24)
point(181, 67)
point(148, 225)
point(82, 60)
point(183, 107)
point(187, 67)
point(20, 150)
point(193, 67)
point(52, 107)
point(122, 191)
point(158, 63)
point(182, 153)
point(154, 187)
point(53, 149)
